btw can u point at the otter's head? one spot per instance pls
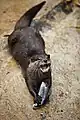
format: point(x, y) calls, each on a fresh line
point(44, 63)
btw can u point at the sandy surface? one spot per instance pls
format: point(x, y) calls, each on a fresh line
point(62, 40)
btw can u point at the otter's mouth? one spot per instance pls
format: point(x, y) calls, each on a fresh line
point(45, 67)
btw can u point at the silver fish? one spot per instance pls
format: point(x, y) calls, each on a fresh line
point(43, 92)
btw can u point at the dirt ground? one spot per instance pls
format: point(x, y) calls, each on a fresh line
point(62, 38)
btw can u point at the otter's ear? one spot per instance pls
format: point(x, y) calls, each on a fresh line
point(29, 61)
point(12, 41)
point(48, 56)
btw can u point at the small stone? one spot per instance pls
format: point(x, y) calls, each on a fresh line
point(43, 115)
point(61, 110)
point(66, 93)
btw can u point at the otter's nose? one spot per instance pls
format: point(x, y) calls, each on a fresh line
point(45, 61)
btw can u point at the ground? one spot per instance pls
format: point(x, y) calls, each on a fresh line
point(62, 37)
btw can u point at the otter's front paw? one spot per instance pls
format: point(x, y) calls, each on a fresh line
point(37, 102)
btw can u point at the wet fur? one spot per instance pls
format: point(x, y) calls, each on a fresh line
point(28, 48)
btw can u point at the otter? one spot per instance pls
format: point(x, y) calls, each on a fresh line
point(27, 47)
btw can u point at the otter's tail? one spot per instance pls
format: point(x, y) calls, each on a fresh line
point(26, 19)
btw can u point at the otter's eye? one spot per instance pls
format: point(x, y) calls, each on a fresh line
point(32, 60)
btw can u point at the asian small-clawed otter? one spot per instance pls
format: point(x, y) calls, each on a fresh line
point(28, 48)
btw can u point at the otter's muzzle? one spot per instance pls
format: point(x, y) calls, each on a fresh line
point(45, 67)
